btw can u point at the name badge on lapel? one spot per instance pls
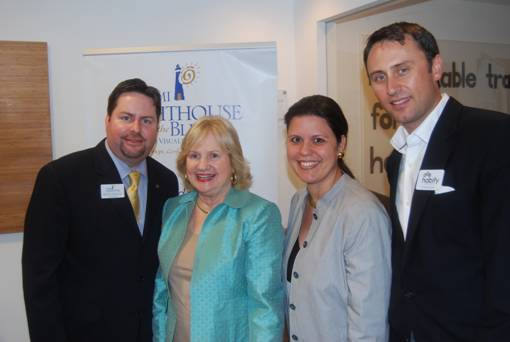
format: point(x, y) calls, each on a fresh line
point(112, 191)
point(432, 180)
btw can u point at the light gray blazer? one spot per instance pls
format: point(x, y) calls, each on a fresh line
point(340, 284)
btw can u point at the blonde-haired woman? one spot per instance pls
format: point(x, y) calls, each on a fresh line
point(220, 248)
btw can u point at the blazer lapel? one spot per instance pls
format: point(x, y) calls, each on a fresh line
point(440, 147)
point(392, 170)
point(174, 230)
point(292, 231)
point(153, 197)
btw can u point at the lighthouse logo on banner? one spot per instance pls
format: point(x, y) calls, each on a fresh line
point(184, 77)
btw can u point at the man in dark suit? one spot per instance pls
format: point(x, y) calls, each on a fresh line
point(450, 206)
point(89, 252)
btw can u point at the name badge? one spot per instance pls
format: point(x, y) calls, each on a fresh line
point(429, 179)
point(432, 180)
point(112, 191)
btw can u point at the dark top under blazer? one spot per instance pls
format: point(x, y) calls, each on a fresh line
point(451, 277)
point(88, 275)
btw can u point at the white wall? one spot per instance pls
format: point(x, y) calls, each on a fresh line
point(69, 27)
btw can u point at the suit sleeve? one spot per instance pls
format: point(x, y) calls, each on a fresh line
point(495, 218)
point(368, 273)
point(159, 309)
point(44, 244)
point(263, 268)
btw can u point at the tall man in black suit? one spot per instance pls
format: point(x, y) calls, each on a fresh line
point(450, 197)
point(89, 254)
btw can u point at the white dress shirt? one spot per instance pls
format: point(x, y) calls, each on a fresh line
point(413, 147)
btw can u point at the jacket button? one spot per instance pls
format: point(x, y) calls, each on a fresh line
point(305, 244)
point(315, 216)
point(292, 307)
point(296, 275)
point(409, 294)
point(294, 337)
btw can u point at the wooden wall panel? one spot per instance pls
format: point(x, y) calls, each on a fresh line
point(25, 130)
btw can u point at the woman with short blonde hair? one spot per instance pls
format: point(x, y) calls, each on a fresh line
point(228, 139)
point(220, 248)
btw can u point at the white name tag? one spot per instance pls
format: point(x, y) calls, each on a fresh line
point(112, 191)
point(432, 180)
point(429, 179)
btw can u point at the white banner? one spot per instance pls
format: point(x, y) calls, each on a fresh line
point(238, 83)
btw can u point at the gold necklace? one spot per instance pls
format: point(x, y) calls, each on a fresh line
point(312, 202)
point(201, 209)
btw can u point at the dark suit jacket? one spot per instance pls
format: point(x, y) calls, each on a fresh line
point(451, 277)
point(88, 275)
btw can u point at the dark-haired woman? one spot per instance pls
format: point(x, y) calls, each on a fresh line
point(337, 255)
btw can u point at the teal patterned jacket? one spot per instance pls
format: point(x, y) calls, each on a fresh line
point(236, 290)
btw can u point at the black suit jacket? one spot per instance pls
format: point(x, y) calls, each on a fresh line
point(451, 276)
point(88, 274)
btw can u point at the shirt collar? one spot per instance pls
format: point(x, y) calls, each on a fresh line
point(122, 167)
point(400, 139)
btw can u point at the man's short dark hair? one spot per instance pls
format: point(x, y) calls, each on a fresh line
point(138, 86)
point(397, 32)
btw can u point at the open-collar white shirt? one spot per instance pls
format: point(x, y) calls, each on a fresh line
point(413, 147)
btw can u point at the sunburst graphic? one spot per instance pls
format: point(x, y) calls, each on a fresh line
point(190, 74)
